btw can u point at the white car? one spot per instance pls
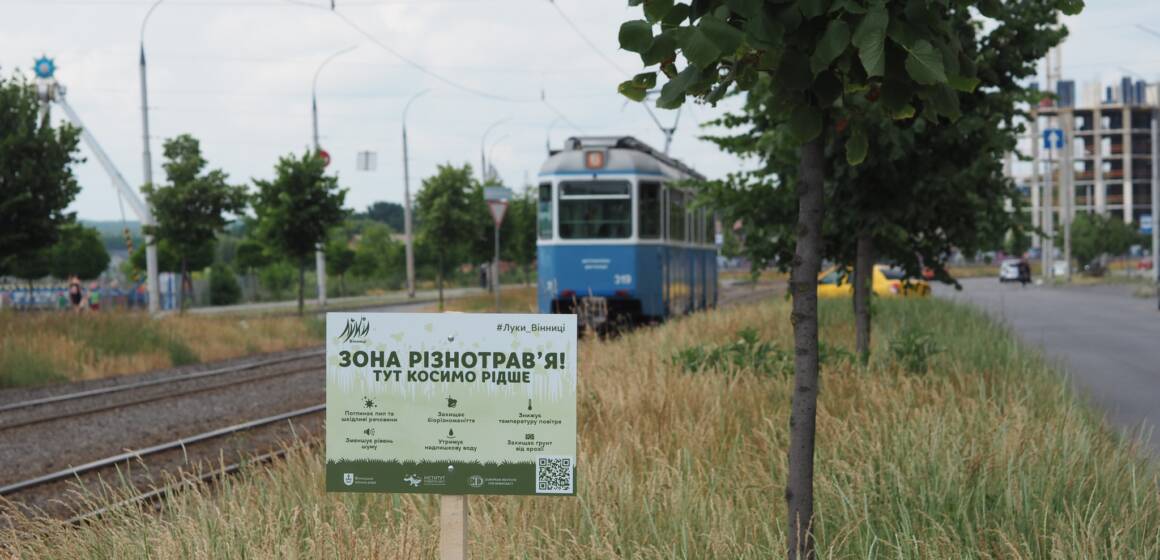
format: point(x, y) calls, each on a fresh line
point(1009, 270)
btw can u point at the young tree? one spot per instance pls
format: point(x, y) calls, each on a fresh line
point(249, 256)
point(1093, 236)
point(36, 179)
point(190, 209)
point(79, 252)
point(223, 285)
point(339, 258)
point(390, 213)
point(817, 58)
point(297, 208)
point(519, 231)
point(448, 217)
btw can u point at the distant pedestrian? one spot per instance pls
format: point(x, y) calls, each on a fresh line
point(76, 294)
point(1024, 272)
point(94, 297)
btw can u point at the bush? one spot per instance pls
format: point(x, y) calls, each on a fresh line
point(913, 348)
point(223, 286)
point(747, 351)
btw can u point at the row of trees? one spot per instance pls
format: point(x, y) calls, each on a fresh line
point(38, 237)
point(880, 128)
point(301, 209)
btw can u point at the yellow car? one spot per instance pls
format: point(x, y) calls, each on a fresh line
point(888, 282)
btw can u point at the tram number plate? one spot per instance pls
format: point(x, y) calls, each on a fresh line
point(622, 279)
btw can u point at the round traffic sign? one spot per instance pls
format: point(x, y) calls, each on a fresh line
point(325, 155)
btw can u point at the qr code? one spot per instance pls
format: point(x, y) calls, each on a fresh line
point(554, 475)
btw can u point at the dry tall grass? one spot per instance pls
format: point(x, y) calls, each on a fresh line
point(36, 348)
point(986, 455)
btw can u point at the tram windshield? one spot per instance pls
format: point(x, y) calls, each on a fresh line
point(595, 210)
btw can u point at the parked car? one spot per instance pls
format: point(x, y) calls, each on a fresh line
point(888, 282)
point(1009, 270)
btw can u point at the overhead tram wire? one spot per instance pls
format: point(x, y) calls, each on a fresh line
point(668, 132)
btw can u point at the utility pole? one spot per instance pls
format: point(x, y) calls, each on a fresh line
point(151, 265)
point(1067, 186)
point(408, 235)
point(1156, 202)
point(483, 148)
point(319, 255)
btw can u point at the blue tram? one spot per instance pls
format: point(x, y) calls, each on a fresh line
point(617, 240)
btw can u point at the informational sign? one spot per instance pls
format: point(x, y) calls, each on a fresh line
point(1146, 224)
point(451, 403)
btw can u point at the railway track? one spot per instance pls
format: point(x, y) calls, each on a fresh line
point(24, 413)
point(200, 453)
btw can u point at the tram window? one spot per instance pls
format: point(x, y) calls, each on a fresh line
point(544, 213)
point(649, 210)
point(676, 215)
point(595, 210)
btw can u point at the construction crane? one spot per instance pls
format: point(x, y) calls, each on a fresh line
point(52, 91)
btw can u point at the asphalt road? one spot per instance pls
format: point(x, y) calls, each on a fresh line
point(1107, 340)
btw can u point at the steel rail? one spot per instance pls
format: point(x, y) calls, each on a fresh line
point(162, 381)
point(73, 472)
point(155, 398)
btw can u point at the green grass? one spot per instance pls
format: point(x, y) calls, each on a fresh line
point(20, 367)
point(984, 454)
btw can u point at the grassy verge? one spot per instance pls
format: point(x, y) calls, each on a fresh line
point(39, 348)
point(521, 299)
point(955, 442)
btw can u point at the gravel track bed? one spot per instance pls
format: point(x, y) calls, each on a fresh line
point(66, 498)
point(19, 394)
point(173, 388)
point(41, 448)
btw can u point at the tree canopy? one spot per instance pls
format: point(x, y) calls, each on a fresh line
point(36, 178)
point(190, 210)
point(448, 210)
point(297, 208)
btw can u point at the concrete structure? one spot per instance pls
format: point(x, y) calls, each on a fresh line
point(1108, 142)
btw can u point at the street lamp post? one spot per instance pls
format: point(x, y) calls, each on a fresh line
point(483, 148)
point(407, 233)
point(151, 272)
point(319, 255)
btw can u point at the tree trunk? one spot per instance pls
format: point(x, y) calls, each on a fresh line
point(439, 280)
point(863, 284)
point(301, 285)
point(799, 491)
point(181, 287)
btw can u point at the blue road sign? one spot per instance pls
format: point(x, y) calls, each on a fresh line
point(1146, 224)
point(44, 67)
point(1048, 133)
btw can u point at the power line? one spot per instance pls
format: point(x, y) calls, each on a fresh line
point(597, 50)
point(417, 66)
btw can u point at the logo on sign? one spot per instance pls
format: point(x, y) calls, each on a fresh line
point(355, 330)
point(413, 480)
point(348, 478)
point(475, 481)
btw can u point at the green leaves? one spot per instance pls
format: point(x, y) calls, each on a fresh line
point(655, 10)
point(709, 39)
point(636, 88)
point(924, 63)
point(673, 93)
point(870, 40)
point(857, 146)
point(805, 123)
point(963, 83)
point(635, 36)
point(835, 40)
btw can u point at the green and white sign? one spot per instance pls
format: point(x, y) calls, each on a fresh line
point(451, 403)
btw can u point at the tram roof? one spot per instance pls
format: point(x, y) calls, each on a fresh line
point(625, 154)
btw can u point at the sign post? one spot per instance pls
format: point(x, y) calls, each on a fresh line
point(497, 201)
point(451, 404)
point(1052, 139)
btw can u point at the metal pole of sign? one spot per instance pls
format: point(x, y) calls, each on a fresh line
point(1156, 204)
point(1067, 188)
point(1048, 245)
point(495, 267)
point(453, 527)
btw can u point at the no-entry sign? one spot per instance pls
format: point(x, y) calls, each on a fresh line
point(451, 404)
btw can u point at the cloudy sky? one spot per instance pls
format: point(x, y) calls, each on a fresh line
point(237, 75)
